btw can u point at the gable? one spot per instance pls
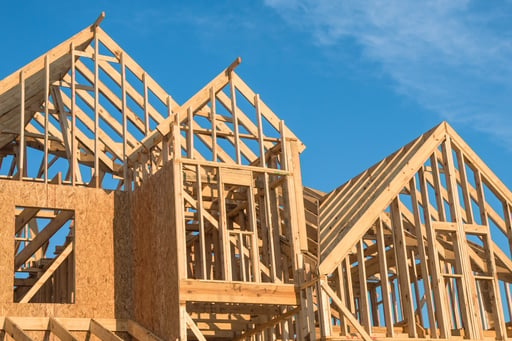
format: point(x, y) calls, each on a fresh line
point(109, 121)
point(348, 211)
point(430, 217)
point(360, 201)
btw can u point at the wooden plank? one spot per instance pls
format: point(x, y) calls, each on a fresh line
point(179, 206)
point(420, 234)
point(225, 250)
point(24, 217)
point(190, 133)
point(476, 229)
point(200, 210)
point(364, 307)
point(15, 331)
point(102, 332)
point(30, 323)
point(60, 331)
point(74, 168)
point(259, 121)
point(439, 294)
point(98, 21)
point(324, 312)
point(269, 324)
point(83, 324)
point(444, 226)
point(403, 268)
point(341, 291)
point(255, 254)
point(464, 186)
point(271, 171)
point(438, 189)
point(140, 333)
point(47, 274)
point(468, 301)
point(146, 104)
point(348, 315)
point(21, 145)
point(497, 312)
point(508, 225)
point(96, 175)
point(213, 115)
point(195, 329)
point(414, 281)
point(234, 112)
point(125, 121)
point(63, 122)
point(270, 229)
point(384, 279)
point(238, 292)
point(46, 104)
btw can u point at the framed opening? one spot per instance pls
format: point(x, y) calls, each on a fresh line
point(44, 264)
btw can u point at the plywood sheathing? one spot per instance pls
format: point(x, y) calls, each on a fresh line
point(155, 268)
point(96, 285)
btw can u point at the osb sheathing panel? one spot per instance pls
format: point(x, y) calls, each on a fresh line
point(155, 279)
point(95, 282)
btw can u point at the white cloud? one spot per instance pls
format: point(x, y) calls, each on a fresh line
point(452, 57)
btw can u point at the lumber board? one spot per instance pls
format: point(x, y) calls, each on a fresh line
point(102, 332)
point(139, 332)
point(60, 331)
point(47, 274)
point(195, 329)
point(348, 315)
point(15, 331)
point(238, 292)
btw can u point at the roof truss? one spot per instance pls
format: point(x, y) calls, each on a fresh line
point(90, 115)
point(429, 216)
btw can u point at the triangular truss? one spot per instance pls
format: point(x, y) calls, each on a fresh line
point(428, 230)
point(92, 116)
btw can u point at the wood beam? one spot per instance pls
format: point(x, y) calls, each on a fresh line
point(269, 324)
point(102, 332)
point(140, 333)
point(193, 326)
point(60, 331)
point(15, 331)
point(47, 274)
point(348, 315)
point(238, 292)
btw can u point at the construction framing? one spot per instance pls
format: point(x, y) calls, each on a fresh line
point(190, 221)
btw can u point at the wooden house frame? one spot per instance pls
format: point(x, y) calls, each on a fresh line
point(437, 213)
point(190, 221)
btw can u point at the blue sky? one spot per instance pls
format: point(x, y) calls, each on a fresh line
point(355, 80)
